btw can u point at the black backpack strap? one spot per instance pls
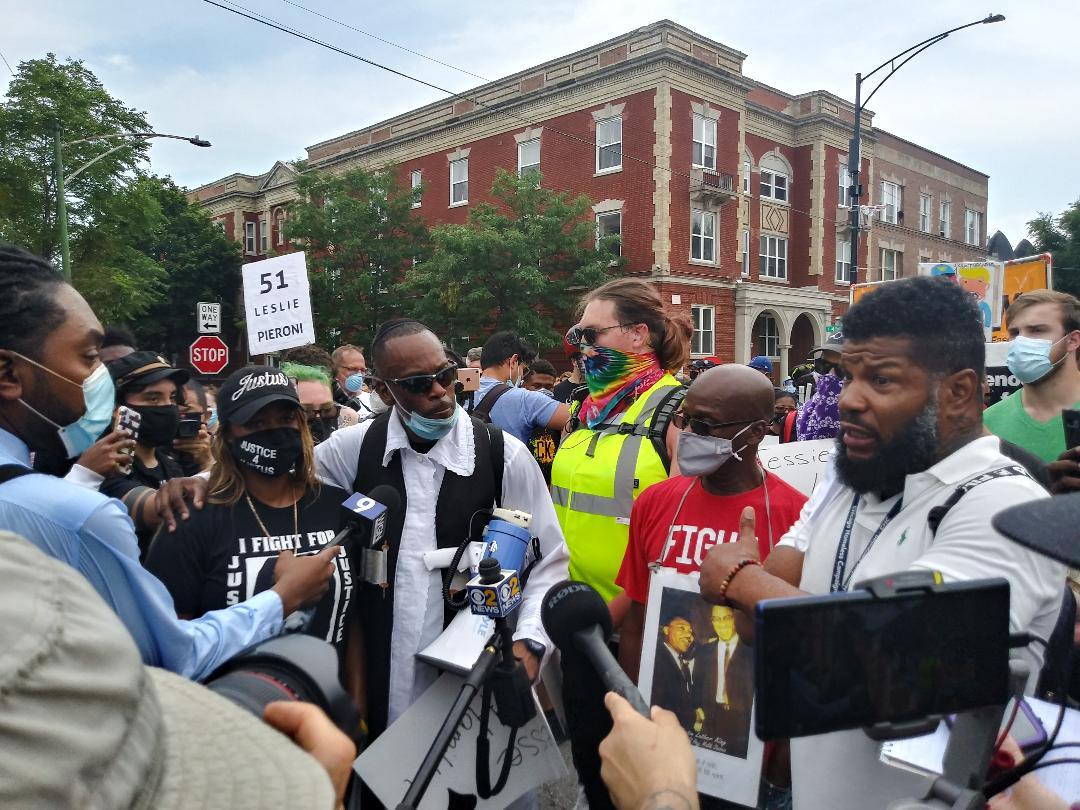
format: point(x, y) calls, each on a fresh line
point(661, 418)
point(9, 472)
point(497, 456)
point(482, 409)
point(938, 513)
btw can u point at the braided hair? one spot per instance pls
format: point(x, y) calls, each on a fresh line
point(28, 308)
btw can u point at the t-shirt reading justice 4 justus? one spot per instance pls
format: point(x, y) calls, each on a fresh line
point(681, 541)
point(221, 556)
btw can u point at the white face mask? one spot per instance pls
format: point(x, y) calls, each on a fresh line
point(700, 456)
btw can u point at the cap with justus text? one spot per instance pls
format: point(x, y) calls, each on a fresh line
point(144, 368)
point(251, 389)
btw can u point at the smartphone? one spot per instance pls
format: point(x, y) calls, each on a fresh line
point(851, 660)
point(1071, 421)
point(469, 379)
point(129, 420)
point(189, 426)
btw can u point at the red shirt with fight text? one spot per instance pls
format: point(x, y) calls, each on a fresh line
point(704, 520)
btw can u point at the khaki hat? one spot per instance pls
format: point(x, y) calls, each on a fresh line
point(84, 724)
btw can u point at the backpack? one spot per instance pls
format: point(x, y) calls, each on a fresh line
point(482, 409)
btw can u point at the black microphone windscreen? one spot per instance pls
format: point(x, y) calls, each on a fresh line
point(387, 496)
point(570, 606)
point(1049, 526)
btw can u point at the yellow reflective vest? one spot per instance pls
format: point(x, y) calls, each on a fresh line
point(595, 478)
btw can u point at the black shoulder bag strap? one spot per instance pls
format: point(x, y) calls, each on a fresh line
point(497, 456)
point(938, 513)
point(661, 419)
point(482, 409)
point(9, 472)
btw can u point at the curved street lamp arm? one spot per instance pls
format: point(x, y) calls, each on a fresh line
point(932, 41)
point(136, 135)
point(79, 170)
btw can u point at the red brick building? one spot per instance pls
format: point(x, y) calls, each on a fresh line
point(726, 192)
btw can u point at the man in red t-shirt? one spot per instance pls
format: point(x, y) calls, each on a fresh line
point(675, 522)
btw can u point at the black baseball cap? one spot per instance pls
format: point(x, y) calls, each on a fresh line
point(251, 389)
point(834, 343)
point(144, 368)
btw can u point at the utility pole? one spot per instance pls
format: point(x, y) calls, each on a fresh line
point(61, 205)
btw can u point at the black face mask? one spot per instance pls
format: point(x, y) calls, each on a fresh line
point(321, 428)
point(268, 452)
point(158, 425)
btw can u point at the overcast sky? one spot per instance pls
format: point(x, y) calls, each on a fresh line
point(1002, 98)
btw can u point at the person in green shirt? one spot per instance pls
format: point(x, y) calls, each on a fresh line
point(1044, 331)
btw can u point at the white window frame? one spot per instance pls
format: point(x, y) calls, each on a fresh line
point(972, 227)
point(279, 220)
point(706, 128)
point(891, 196)
point(462, 181)
point(844, 184)
point(945, 219)
point(773, 250)
point(606, 140)
point(524, 168)
point(926, 206)
point(701, 223)
point(768, 338)
point(416, 179)
point(703, 339)
point(890, 270)
point(602, 231)
point(843, 261)
point(774, 185)
point(249, 238)
point(264, 235)
point(746, 252)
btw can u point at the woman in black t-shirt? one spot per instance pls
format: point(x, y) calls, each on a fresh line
point(263, 498)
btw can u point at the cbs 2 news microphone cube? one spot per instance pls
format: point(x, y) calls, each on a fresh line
point(497, 599)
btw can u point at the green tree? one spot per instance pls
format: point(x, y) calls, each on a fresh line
point(47, 96)
point(519, 264)
point(359, 232)
point(1060, 236)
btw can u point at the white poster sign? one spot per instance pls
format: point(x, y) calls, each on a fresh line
point(277, 304)
point(694, 664)
point(390, 763)
point(800, 464)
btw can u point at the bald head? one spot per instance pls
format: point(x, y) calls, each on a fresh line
point(731, 392)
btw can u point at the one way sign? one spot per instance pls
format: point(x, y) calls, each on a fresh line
point(209, 318)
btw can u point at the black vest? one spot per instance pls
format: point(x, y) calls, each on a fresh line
point(459, 498)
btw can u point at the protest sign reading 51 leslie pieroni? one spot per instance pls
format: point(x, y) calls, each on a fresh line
point(277, 304)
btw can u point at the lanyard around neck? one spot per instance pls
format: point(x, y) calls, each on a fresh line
point(839, 582)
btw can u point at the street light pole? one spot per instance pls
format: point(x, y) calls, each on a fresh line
point(61, 203)
point(855, 147)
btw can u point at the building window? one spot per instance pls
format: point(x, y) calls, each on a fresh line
point(774, 185)
point(945, 220)
point(768, 337)
point(844, 182)
point(415, 179)
point(609, 144)
point(528, 157)
point(972, 227)
point(610, 224)
point(890, 264)
point(746, 168)
point(703, 236)
point(279, 223)
point(459, 181)
point(703, 340)
point(891, 195)
point(843, 261)
point(924, 212)
point(773, 257)
point(249, 238)
point(746, 252)
point(264, 235)
point(704, 142)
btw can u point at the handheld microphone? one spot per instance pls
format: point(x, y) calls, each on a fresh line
point(494, 591)
point(578, 621)
point(364, 516)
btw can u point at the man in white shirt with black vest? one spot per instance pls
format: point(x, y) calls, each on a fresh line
point(910, 439)
point(447, 467)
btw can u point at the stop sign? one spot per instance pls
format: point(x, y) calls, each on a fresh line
point(209, 354)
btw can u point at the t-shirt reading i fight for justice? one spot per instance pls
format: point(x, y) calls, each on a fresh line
point(220, 556)
point(703, 521)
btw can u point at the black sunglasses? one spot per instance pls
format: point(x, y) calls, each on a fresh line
point(703, 428)
point(586, 335)
point(421, 383)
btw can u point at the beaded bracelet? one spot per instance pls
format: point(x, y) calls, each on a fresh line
point(721, 594)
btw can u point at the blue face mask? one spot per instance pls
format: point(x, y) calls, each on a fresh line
point(211, 422)
point(99, 396)
point(354, 383)
point(1029, 358)
point(428, 429)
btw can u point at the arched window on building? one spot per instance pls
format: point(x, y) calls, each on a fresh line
point(776, 177)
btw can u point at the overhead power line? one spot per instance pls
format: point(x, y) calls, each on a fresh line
point(12, 72)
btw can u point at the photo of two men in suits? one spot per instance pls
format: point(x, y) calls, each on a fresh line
point(703, 673)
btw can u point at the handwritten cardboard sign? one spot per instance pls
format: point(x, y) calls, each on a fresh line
point(800, 464)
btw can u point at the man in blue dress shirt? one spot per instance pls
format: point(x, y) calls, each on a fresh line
point(56, 397)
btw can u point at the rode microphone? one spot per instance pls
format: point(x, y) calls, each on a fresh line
point(1048, 526)
point(577, 619)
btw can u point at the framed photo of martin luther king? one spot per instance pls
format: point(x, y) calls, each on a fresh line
point(694, 664)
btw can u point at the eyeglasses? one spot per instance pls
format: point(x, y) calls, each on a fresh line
point(586, 335)
point(421, 383)
point(328, 410)
point(703, 428)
